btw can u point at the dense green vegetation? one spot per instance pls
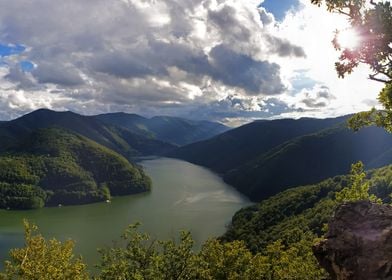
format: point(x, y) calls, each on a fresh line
point(292, 215)
point(264, 158)
point(43, 259)
point(118, 139)
point(173, 130)
point(53, 166)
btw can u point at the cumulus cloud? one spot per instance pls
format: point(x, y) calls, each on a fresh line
point(139, 55)
point(317, 97)
point(217, 59)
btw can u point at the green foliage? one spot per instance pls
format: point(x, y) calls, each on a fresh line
point(359, 186)
point(143, 258)
point(57, 167)
point(43, 259)
point(20, 196)
point(293, 215)
point(381, 118)
point(138, 256)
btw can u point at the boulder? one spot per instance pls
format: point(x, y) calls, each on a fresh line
point(358, 244)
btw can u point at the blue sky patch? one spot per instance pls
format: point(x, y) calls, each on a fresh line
point(7, 50)
point(279, 7)
point(26, 66)
point(302, 81)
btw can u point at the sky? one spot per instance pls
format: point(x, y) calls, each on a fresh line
point(231, 61)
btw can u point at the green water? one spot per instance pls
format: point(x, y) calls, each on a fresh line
point(184, 196)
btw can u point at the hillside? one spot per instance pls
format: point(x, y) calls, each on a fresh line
point(178, 131)
point(237, 146)
point(118, 139)
point(264, 158)
point(309, 159)
point(295, 213)
point(52, 166)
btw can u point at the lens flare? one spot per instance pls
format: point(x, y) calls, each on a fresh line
point(348, 39)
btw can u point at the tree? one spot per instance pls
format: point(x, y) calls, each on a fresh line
point(359, 186)
point(372, 20)
point(140, 257)
point(43, 259)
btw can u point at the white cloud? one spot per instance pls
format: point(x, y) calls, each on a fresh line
point(218, 59)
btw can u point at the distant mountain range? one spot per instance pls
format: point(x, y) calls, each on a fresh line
point(263, 158)
point(128, 134)
point(177, 131)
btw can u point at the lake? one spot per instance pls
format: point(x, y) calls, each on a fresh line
point(183, 196)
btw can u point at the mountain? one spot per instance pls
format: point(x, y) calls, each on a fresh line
point(177, 131)
point(264, 158)
point(118, 139)
point(53, 166)
point(237, 146)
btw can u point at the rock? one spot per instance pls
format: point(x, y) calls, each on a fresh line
point(358, 243)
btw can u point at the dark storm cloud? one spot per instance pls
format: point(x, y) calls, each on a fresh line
point(227, 22)
point(257, 77)
point(284, 48)
point(48, 73)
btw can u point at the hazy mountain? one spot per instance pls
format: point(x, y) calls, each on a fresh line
point(119, 139)
point(174, 130)
point(263, 158)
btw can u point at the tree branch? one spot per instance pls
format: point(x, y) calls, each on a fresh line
point(373, 77)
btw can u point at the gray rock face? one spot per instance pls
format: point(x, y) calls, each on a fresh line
point(358, 244)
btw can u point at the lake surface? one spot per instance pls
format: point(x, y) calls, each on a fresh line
point(183, 196)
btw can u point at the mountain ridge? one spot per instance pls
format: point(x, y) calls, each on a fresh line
point(263, 158)
point(174, 130)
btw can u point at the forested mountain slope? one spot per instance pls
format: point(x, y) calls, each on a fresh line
point(53, 166)
point(237, 146)
point(264, 158)
point(119, 139)
point(297, 212)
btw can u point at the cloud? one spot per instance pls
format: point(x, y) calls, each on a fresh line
point(256, 77)
point(140, 55)
point(61, 75)
point(317, 97)
point(216, 59)
point(284, 48)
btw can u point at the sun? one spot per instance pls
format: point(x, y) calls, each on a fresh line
point(348, 38)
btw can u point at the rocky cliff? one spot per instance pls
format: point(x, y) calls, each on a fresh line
point(358, 244)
